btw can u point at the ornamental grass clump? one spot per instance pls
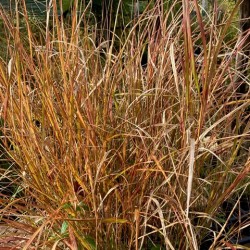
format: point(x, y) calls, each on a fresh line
point(113, 153)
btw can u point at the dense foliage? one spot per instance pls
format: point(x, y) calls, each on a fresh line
point(125, 127)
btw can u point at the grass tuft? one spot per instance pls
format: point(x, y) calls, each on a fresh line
point(113, 153)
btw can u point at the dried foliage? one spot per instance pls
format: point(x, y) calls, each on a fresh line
point(113, 153)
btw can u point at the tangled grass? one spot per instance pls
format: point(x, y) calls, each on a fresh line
point(111, 153)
